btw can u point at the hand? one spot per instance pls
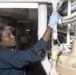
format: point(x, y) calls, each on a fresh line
point(54, 19)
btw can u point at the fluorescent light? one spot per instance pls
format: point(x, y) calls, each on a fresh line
point(27, 30)
point(18, 5)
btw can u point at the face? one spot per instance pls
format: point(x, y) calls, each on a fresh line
point(7, 38)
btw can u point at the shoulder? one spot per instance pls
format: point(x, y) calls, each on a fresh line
point(6, 52)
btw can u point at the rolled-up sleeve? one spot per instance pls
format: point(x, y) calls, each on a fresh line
point(40, 45)
point(21, 58)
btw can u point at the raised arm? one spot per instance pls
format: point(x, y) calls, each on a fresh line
point(54, 18)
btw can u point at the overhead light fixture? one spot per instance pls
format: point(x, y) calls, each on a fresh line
point(27, 30)
point(18, 5)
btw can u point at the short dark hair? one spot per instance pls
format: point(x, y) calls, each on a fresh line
point(2, 26)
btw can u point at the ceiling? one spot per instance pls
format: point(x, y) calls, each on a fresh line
point(23, 15)
point(20, 15)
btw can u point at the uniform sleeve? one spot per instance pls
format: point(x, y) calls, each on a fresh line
point(40, 45)
point(18, 59)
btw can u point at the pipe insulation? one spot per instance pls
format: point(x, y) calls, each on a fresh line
point(73, 7)
point(53, 70)
point(73, 15)
point(56, 50)
point(69, 21)
point(73, 3)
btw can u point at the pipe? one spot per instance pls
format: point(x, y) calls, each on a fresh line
point(54, 5)
point(53, 70)
point(74, 3)
point(54, 54)
point(54, 57)
point(69, 16)
point(54, 35)
point(42, 19)
point(73, 7)
point(56, 50)
point(75, 30)
point(53, 64)
point(69, 21)
point(42, 25)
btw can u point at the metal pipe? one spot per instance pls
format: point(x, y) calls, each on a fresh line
point(42, 19)
point(54, 5)
point(75, 30)
point(56, 50)
point(69, 21)
point(54, 53)
point(53, 64)
point(68, 27)
point(73, 7)
point(42, 25)
point(74, 3)
point(69, 16)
